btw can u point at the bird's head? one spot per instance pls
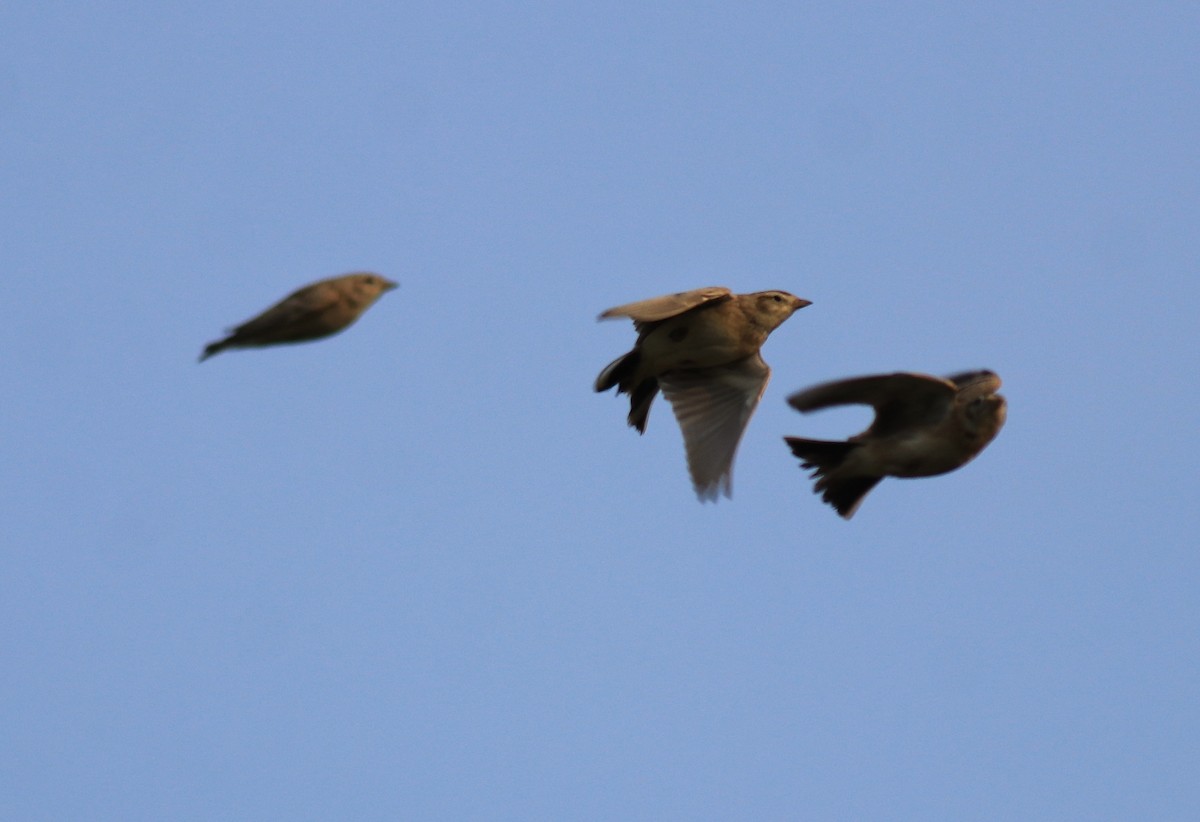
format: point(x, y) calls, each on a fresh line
point(772, 308)
point(984, 411)
point(371, 286)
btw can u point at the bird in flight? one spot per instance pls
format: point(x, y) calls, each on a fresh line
point(318, 310)
point(923, 426)
point(701, 348)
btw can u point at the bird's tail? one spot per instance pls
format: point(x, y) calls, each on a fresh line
point(619, 372)
point(622, 373)
point(213, 348)
point(845, 494)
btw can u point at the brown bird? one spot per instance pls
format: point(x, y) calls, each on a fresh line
point(701, 348)
point(924, 426)
point(318, 310)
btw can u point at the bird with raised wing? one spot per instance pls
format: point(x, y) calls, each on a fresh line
point(701, 348)
point(923, 426)
point(318, 310)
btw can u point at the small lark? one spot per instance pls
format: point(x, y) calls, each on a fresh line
point(318, 310)
point(701, 348)
point(924, 426)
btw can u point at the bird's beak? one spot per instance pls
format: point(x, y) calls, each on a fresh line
point(801, 303)
point(388, 285)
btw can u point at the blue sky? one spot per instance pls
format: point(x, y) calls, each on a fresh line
point(421, 570)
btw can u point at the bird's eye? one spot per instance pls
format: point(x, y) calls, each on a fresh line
point(777, 298)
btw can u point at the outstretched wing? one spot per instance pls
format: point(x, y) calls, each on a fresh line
point(901, 401)
point(713, 407)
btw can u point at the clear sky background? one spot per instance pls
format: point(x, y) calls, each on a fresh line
point(420, 570)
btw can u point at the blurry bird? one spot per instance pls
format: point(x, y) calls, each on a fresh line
point(701, 348)
point(318, 310)
point(924, 426)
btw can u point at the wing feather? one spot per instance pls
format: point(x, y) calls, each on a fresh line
point(713, 407)
point(668, 305)
point(900, 400)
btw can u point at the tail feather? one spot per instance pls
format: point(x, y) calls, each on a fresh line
point(822, 455)
point(621, 373)
point(639, 403)
point(214, 348)
point(845, 494)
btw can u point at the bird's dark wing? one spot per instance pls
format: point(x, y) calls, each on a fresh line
point(900, 400)
point(308, 302)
